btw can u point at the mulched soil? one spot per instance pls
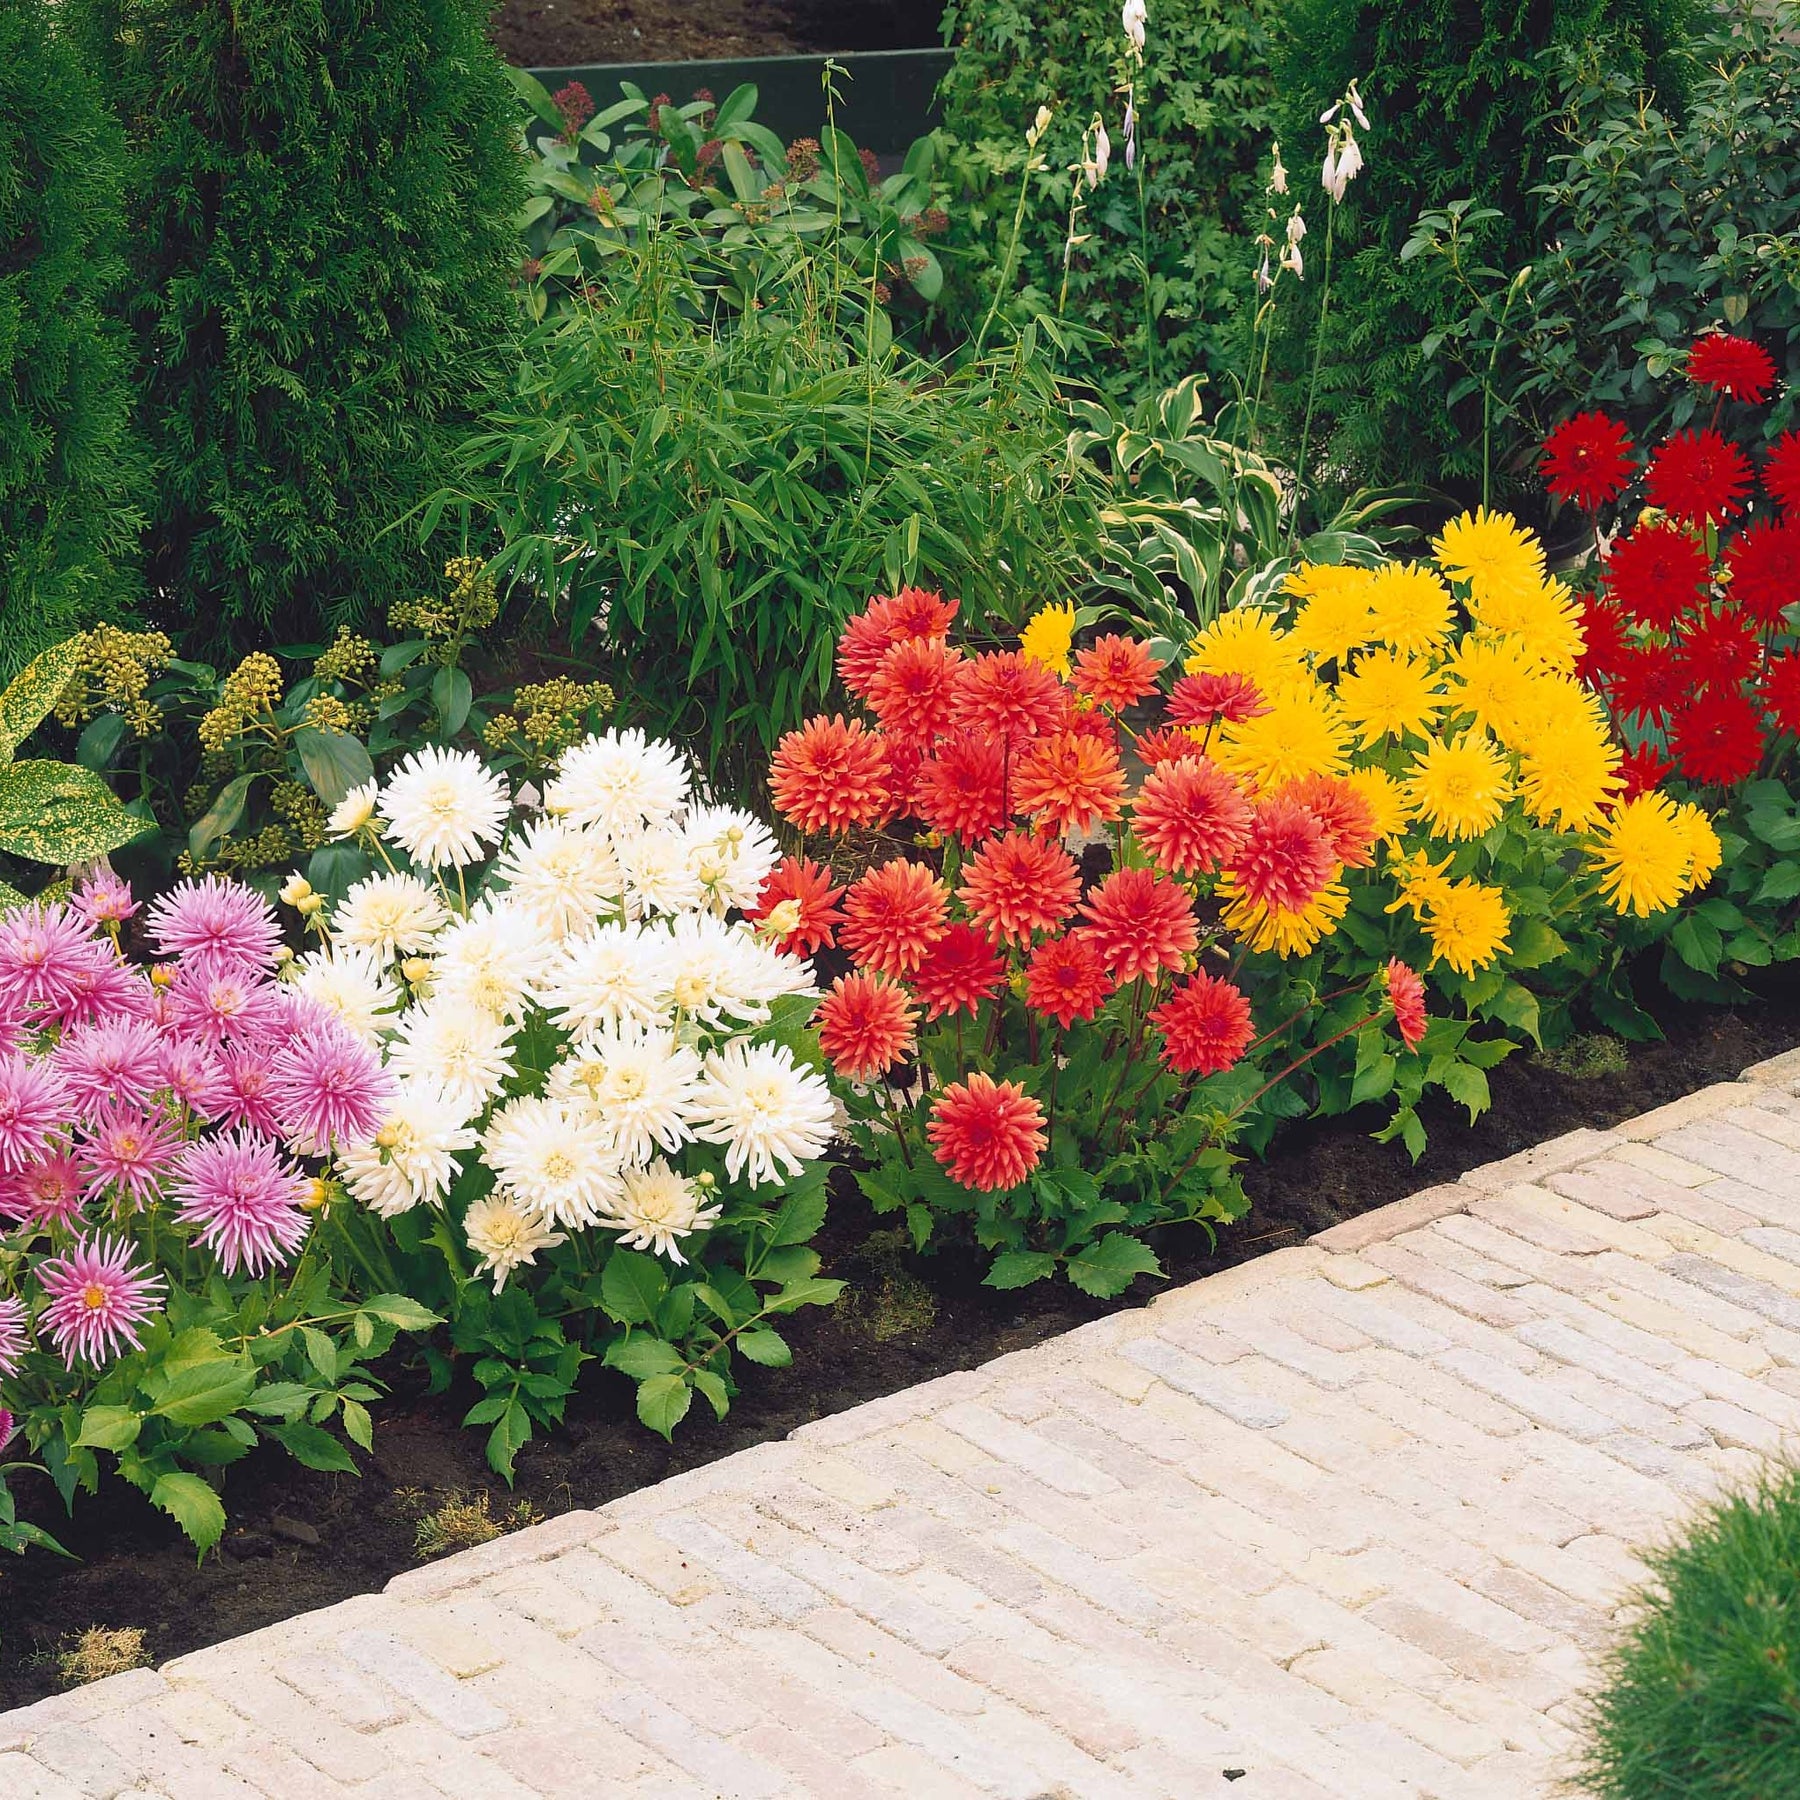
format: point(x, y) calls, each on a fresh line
point(571, 33)
point(904, 1320)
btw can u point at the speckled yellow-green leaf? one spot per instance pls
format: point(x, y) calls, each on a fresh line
point(11, 897)
point(54, 812)
point(34, 691)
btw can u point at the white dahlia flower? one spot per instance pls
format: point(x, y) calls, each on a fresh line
point(413, 1159)
point(658, 1206)
point(442, 806)
point(492, 960)
point(658, 875)
point(463, 1051)
point(769, 1113)
point(638, 1082)
point(563, 875)
point(353, 813)
point(619, 780)
point(552, 1159)
point(393, 915)
point(352, 982)
point(732, 853)
point(613, 973)
point(505, 1236)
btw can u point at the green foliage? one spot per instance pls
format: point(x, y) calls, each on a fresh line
point(321, 198)
point(1457, 96)
point(1204, 96)
point(1701, 1696)
point(71, 475)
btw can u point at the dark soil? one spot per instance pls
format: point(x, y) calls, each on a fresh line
point(903, 1321)
point(572, 33)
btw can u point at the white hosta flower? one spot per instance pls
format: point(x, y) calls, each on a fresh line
point(464, 1052)
point(354, 983)
point(414, 1158)
point(1101, 160)
point(1278, 174)
point(563, 875)
point(393, 915)
point(443, 806)
point(354, 813)
point(555, 1161)
point(505, 1236)
point(492, 960)
point(659, 878)
point(613, 973)
point(732, 853)
point(719, 974)
point(620, 781)
point(638, 1082)
point(1133, 19)
point(658, 1206)
point(769, 1113)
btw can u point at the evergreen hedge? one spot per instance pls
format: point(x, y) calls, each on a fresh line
point(321, 197)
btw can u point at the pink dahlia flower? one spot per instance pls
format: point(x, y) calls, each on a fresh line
point(6, 1428)
point(46, 1193)
point(98, 1298)
point(97, 988)
point(245, 1198)
point(104, 899)
point(328, 1087)
point(221, 920)
point(41, 949)
point(14, 1339)
point(214, 1000)
point(116, 1061)
point(191, 1074)
point(244, 1099)
point(128, 1152)
point(34, 1105)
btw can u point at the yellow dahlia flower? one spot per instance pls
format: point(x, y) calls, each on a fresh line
point(1647, 854)
point(1334, 617)
point(1287, 933)
point(1250, 642)
point(1468, 925)
point(1047, 637)
point(1460, 789)
point(1492, 552)
point(1389, 696)
point(1301, 734)
point(1386, 797)
point(1410, 608)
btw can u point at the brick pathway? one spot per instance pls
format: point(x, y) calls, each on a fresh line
point(1342, 1524)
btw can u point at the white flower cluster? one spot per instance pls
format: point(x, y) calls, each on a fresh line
point(566, 998)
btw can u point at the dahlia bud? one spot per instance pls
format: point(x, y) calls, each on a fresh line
point(296, 889)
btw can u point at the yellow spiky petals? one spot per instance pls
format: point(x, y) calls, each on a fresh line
point(1649, 853)
point(1460, 788)
point(1386, 695)
point(1468, 925)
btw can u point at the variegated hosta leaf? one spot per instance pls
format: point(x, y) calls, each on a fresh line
point(34, 691)
point(52, 812)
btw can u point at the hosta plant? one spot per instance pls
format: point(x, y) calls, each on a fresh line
point(168, 1291)
point(605, 1127)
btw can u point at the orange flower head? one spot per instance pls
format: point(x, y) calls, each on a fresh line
point(1211, 698)
point(809, 887)
point(1065, 980)
point(1116, 671)
point(829, 775)
point(1167, 743)
point(887, 620)
point(1285, 859)
point(1191, 815)
point(960, 970)
point(865, 1026)
point(1205, 1026)
point(892, 917)
point(911, 688)
point(1019, 884)
point(961, 789)
point(989, 1134)
point(1003, 694)
point(1070, 782)
point(1407, 994)
point(1140, 922)
point(1344, 811)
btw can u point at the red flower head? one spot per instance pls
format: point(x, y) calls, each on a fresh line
point(1190, 815)
point(1205, 699)
point(961, 790)
point(1116, 671)
point(889, 619)
point(1696, 476)
point(1781, 471)
point(1406, 993)
point(1018, 884)
point(1648, 682)
point(1656, 574)
point(1643, 769)
point(1737, 366)
point(1587, 460)
point(1603, 631)
point(1781, 692)
point(893, 916)
point(961, 970)
point(1344, 811)
point(1717, 739)
point(809, 887)
point(911, 687)
point(1003, 694)
point(865, 1026)
point(1091, 722)
point(1286, 857)
point(1166, 744)
point(828, 776)
point(1765, 569)
point(989, 1134)
point(1065, 980)
point(1205, 1026)
point(1140, 922)
point(1718, 650)
point(1070, 782)
point(904, 764)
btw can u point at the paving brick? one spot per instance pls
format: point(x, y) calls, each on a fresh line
point(1452, 1290)
point(1537, 1400)
point(1192, 1376)
point(1548, 1158)
point(441, 1697)
point(1389, 1221)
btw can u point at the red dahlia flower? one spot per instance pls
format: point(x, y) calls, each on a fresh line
point(1205, 1026)
point(911, 687)
point(1781, 471)
point(1765, 569)
point(960, 970)
point(1070, 782)
point(961, 789)
point(1698, 476)
point(1406, 994)
point(1648, 681)
point(887, 620)
point(1116, 671)
point(1643, 769)
point(1167, 743)
point(1346, 814)
point(865, 1026)
point(1586, 460)
point(809, 887)
point(1140, 922)
point(1019, 884)
point(1780, 692)
point(1003, 694)
point(829, 775)
point(989, 1134)
point(1656, 574)
point(1065, 980)
point(1190, 814)
point(1718, 650)
point(1717, 739)
point(893, 916)
point(1737, 366)
point(1603, 632)
point(1285, 858)
point(1207, 698)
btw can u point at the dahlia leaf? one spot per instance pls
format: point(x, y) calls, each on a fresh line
point(1110, 1266)
point(643, 1357)
point(632, 1287)
point(206, 1392)
point(193, 1505)
point(401, 1311)
point(1019, 1268)
point(313, 1448)
point(662, 1403)
point(769, 1348)
point(109, 1427)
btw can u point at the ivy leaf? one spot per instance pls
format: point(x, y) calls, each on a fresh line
point(633, 1286)
point(452, 695)
point(54, 812)
point(1110, 1266)
point(769, 1348)
point(663, 1402)
point(223, 816)
point(1019, 1268)
point(193, 1505)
